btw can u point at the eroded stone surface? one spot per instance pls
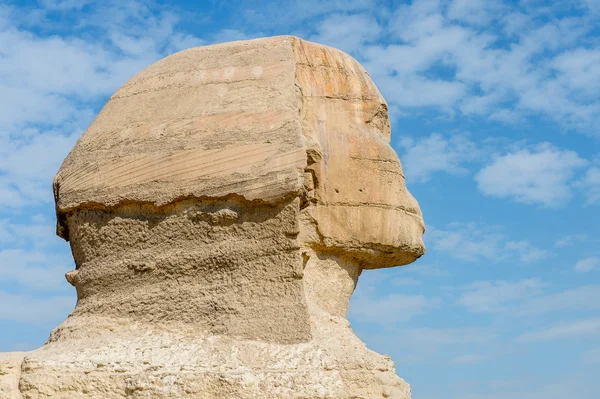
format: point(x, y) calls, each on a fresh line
point(220, 210)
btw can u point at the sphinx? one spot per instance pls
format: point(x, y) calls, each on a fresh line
point(220, 210)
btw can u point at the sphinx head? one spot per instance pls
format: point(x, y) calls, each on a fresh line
point(228, 186)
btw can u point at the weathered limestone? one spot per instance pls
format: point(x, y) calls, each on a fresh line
point(220, 210)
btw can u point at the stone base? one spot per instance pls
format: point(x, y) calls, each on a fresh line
point(167, 365)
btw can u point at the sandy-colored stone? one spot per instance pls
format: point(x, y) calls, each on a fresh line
point(220, 209)
point(10, 373)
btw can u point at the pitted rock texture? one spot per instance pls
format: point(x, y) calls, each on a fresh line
point(220, 210)
point(185, 266)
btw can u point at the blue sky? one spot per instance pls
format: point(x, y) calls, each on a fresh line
point(495, 111)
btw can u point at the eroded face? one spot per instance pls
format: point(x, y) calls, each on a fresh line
point(363, 205)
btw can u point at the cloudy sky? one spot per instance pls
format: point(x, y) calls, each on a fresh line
point(495, 110)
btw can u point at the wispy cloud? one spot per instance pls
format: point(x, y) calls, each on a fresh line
point(436, 337)
point(404, 281)
point(472, 242)
point(416, 345)
point(31, 259)
point(571, 239)
point(28, 164)
point(35, 270)
point(563, 330)
point(527, 253)
point(369, 306)
point(474, 12)
point(497, 296)
point(38, 233)
point(527, 297)
point(587, 264)
point(296, 13)
point(347, 31)
point(64, 5)
point(574, 300)
point(590, 184)
point(423, 157)
point(539, 176)
point(468, 359)
point(55, 78)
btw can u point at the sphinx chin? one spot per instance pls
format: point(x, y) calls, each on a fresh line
point(220, 210)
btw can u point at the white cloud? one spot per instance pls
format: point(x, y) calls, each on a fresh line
point(297, 16)
point(579, 299)
point(571, 239)
point(132, 36)
point(46, 72)
point(530, 65)
point(590, 183)
point(498, 296)
point(404, 281)
point(470, 242)
point(419, 19)
point(436, 337)
point(466, 242)
point(543, 175)
point(412, 345)
point(424, 157)
point(468, 359)
point(417, 91)
point(578, 72)
point(369, 306)
point(304, 9)
point(579, 328)
point(347, 32)
point(593, 5)
point(38, 233)
point(503, 115)
point(64, 5)
point(34, 269)
point(28, 165)
point(476, 12)
point(527, 252)
point(587, 264)
point(527, 297)
point(516, 22)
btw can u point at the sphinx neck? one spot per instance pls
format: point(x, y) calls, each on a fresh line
point(226, 268)
point(329, 281)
